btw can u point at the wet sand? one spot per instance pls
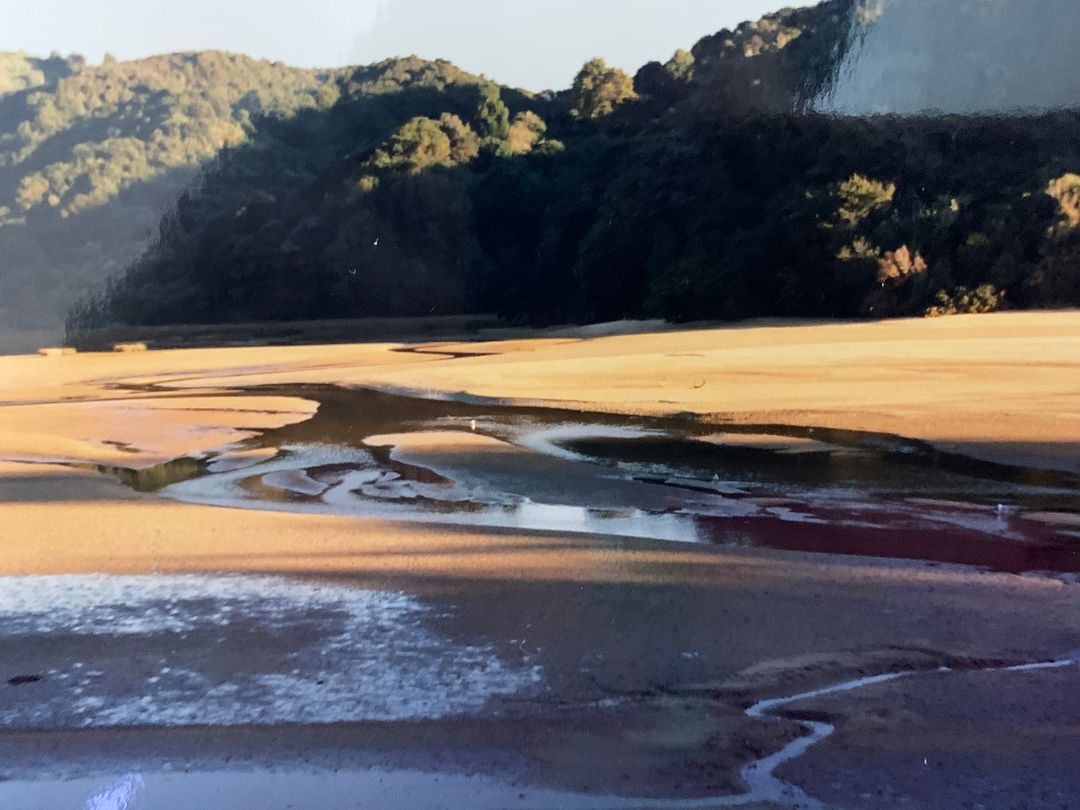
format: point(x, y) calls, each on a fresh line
point(649, 651)
point(918, 742)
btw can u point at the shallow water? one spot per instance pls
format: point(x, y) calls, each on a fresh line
point(274, 790)
point(405, 789)
point(669, 479)
point(234, 650)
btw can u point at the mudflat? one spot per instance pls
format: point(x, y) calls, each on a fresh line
point(594, 664)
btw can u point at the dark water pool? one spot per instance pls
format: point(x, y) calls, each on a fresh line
point(674, 479)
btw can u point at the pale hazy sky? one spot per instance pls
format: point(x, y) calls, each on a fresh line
point(530, 43)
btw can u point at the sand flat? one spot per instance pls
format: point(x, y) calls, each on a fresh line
point(608, 619)
point(771, 441)
point(439, 442)
point(1004, 387)
point(140, 432)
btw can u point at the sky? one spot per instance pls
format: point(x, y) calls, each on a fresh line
point(526, 43)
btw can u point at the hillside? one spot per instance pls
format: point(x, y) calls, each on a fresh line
point(21, 71)
point(272, 229)
point(707, 186)
point(90, 157)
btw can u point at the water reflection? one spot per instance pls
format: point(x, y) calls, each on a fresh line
point(157, 476)
point(118, 797)
point(563, 518)
point(322, 790)
point(372, 454)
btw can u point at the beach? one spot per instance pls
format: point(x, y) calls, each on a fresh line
point(603, 665)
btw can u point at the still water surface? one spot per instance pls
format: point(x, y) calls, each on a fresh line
point(675, 479)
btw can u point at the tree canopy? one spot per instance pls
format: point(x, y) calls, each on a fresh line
point(707, 188)
point(599, 89)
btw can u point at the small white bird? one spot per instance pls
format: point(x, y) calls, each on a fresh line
point(376, 242)
point(472, 424)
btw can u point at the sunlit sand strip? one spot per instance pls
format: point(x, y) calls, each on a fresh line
point(550, 441)
point(142, 432)
point(773, 441)
point(231, 459)
point(1065, 520)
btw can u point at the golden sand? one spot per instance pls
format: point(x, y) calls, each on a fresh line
point(1004, 387)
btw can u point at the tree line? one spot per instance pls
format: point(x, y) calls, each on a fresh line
point(705, 187)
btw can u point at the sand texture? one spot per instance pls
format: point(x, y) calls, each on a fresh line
point(649, 651)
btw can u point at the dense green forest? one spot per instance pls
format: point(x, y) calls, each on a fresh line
point(704, 187)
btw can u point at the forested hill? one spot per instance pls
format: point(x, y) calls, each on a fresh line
point(21, 71)
point(91, 156)
point(703, 187)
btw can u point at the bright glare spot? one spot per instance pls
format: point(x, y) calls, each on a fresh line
point(117, 797)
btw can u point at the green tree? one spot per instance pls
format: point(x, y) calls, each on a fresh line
point(419, 143)
point(681, 66)
point(464, 143)
point(423, 142)
point(492, 115)
point(962, 300)
point(598, 89)
point(860, 196)
point(527, 130)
